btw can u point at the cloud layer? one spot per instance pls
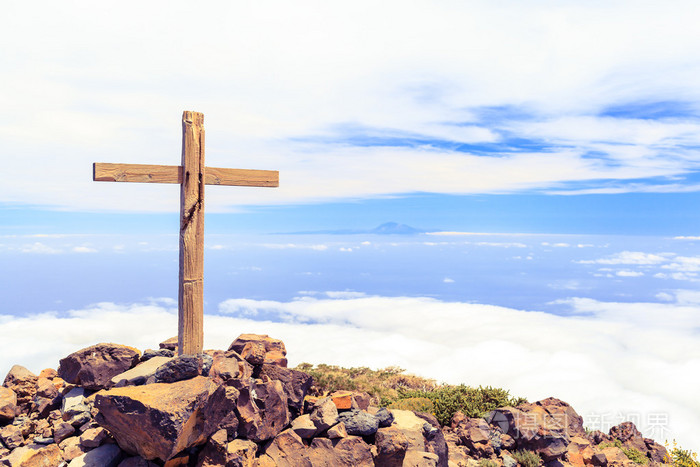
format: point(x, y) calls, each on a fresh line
point(476, 97)
point(611, 361)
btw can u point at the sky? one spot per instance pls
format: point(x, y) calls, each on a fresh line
point(545, 152)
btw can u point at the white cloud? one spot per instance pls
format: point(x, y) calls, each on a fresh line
point(604, 358)
point(39, 248)
point(313, 77)
point(630, 257)
point(83, 249)
point(626, 273)
point(448, 280)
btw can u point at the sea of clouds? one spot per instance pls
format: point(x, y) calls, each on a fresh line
point(612, 361)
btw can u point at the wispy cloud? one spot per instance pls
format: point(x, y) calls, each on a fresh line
point(562, 108)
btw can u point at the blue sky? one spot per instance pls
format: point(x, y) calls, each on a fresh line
point(550, 150)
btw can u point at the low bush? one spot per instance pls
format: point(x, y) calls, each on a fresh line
point(527, 458)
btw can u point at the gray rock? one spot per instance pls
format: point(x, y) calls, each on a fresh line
point(207, 362)
point(107, 455)
point(150, 353)
point(179, 368)
point(43, 440)
point(385, 417)
point(75, 397)
point(140, 373)
point(359, 423)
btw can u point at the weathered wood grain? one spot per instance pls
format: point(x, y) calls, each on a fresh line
point(191, 293)
point(146, 173)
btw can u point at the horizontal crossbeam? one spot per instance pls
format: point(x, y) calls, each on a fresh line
point(145, 173)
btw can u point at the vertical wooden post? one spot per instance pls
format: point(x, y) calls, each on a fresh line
point(191, 296)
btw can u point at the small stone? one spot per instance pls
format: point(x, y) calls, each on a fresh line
point(23, 383)
point(385, 417)
point(337, 431)
point(324, 414)
point(43, 440)
point(508, 461)
point(359, 423)
point(48, 373)
point(170, 344)
point(342, 399)
point(254, 353)
point(62, 430)
point(180, 368)
point(93, 437)
point(73, 398)
point(11, 436)
point(71, 448)
point(8, 404)
point(304, 427)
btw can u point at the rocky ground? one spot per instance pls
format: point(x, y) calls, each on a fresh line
point(110, 405)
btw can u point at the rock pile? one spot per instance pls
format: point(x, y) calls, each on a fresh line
point(110, 406)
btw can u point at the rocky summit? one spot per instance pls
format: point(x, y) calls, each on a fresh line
point(109, 405)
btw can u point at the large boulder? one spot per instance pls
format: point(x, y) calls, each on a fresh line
point(545, 427)
point(288, 450)
point(95, 366)
point(324, 414)
point(140, 373)
point(262, 409)
point(274, 349)
point(108, 455)
point(359, 422)
point(296, 384)
point(23, 383)
point(8, 404)
point(158, 420)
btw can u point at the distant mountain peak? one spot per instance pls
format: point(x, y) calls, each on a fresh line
point(394, 228)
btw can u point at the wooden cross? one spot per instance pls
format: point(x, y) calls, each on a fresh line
point(192, 176)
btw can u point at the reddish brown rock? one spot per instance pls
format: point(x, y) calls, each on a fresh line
point(229, 365)
point(392, 445)
point(95, 366)
point(296, 384)
point(157, 420)
point(275, 352)
point(543, 427)
point(136, 461)
point(337, 431)
point(35, 456)
point(11, 436)
point(93, 437)
point(23, 383)
point(218, 452)
point(71, 448)
point(475, 435)
point(286, 450)
point(435, 442)
point(630, 437)
point(48, 373)
point(344, 452)
point(262, 409)
point(8, 404)
point(324, 414)
point(170, 344)
point(254, 353)
point(220, 411)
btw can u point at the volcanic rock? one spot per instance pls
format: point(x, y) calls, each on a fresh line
point(359, 422)
point(8, 404)
point(324, 414)
point(23, 383)
point(95, 366)
point(34, 455)
point(140, 373)
point(296, 384)
point(157, 420)
point(392, 445)
point(262, 409)
point(275, 351)
point(107, 455)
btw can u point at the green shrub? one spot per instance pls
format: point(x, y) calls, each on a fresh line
point(527, 458)
point(487, 463)
point(415, 404)
point(611, 444)
point(473, 402)
point(635, 455)
point(389, 386)
point(681, 457)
